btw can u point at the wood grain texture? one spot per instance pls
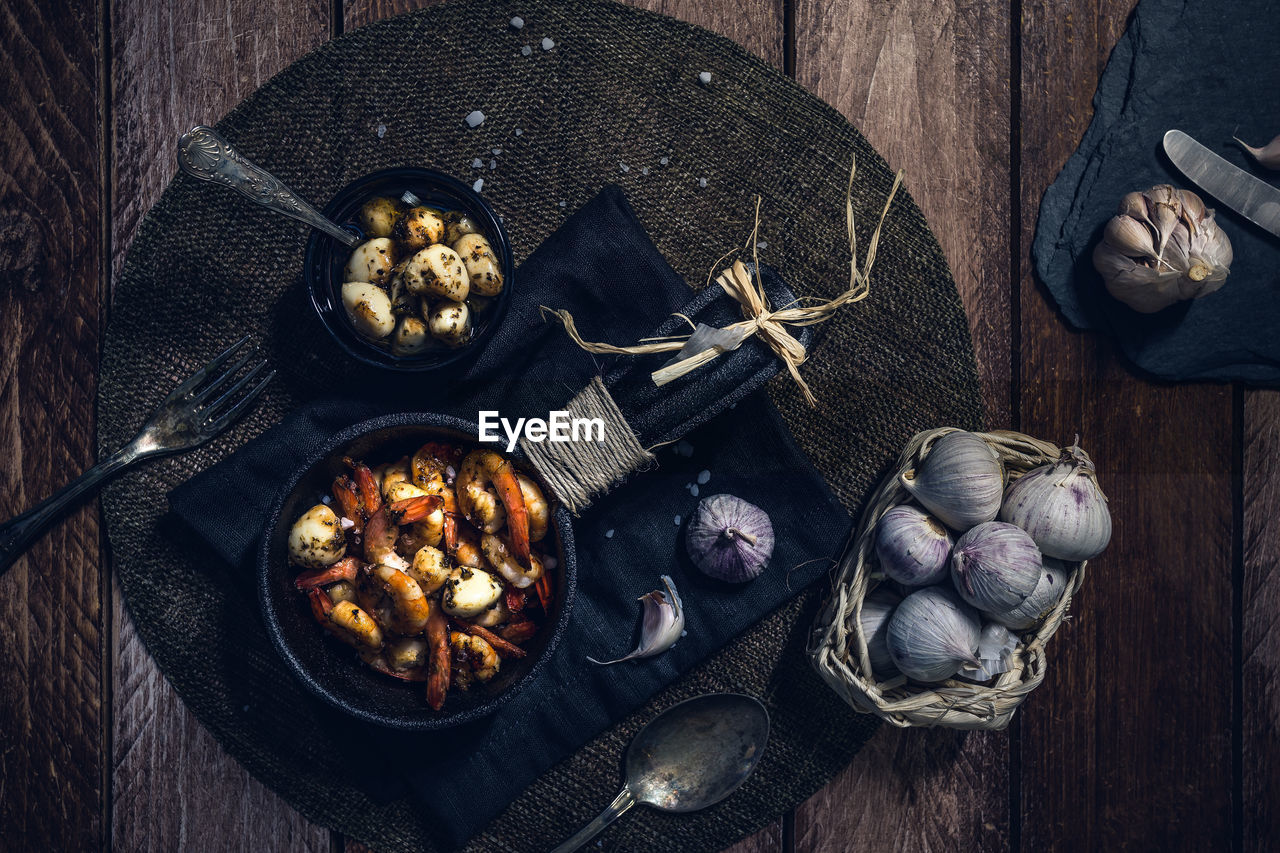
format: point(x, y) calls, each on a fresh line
point(1127, 743)
point(176, 65)
point(1260, 623)
point(927, 84)
point(51, 621)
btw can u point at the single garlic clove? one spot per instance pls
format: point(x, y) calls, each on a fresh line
point(661, 626)
point(1129, 236)
point(1268, 156)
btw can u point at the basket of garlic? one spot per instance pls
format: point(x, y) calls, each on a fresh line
point(963, 566)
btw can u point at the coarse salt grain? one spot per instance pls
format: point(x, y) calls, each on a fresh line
point(519, 131)
point(382, 130)
point(497, 152)
point(644, 170)
point(478, 185)
point(624, 167)
point(677, 521)
point(526, 50)
point(564, 203)
point(664, 161)
point(517, 23)
point(704, 77)
point(702, 182)
point(693, 490)
point(493, 164)
point(547, 44)
point(475, 118)
point(762, 245)
point(608, 534)
point(477, 163)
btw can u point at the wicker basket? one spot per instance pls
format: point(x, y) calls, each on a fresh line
point(838, 647)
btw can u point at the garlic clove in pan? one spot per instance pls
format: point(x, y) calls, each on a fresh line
point(932, 634)
point(995, 566)
point(1162, 247)
point(1061, 506)
point(1048, 592)
point(913, 547)
point(960, 480)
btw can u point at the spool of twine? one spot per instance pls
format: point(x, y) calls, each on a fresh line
point(581, 471)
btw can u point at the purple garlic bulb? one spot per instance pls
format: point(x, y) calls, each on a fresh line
point(730, 539)
point(913, 546)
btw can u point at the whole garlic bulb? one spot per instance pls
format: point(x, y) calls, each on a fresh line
point(960, 480)
point(1062, 507)
point(913, 547)
point(995, 566)
point(932, 634)
point(1162, 247)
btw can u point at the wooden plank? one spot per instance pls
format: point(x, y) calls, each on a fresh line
point(927, 83)
point(1127, 743)
point(176, 65)
point(1260, 612)
point(52, 721)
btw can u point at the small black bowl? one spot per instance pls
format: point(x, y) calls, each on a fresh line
point(326, 257)
point(331, 670)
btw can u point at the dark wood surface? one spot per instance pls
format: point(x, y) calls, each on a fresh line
point(1159, 722)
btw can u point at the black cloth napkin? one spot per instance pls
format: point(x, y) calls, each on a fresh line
point(602, 267)
point(1208, 69)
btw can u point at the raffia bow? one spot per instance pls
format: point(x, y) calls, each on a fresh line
point(743, 284)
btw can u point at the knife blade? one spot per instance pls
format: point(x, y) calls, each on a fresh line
point(1255, 200)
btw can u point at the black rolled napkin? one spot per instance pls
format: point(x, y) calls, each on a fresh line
point(601, 266)
point(1208, 69)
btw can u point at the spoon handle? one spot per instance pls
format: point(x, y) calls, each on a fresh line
point(204, 153)
point(616, 809)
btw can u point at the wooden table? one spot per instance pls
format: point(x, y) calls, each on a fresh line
point(1159, 722)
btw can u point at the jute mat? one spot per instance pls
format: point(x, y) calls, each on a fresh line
point(617, 99)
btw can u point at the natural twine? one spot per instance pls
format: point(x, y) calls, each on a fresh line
point(581, 471)
point(743, 284)
point(838, 646)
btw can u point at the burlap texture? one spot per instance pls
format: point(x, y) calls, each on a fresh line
point(619, 88)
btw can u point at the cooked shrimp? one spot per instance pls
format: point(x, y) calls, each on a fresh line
point(519, 631)
point(473, 659)
point(429, 569)
point(480, 470)
point(346, 621)
point(536, 505)
point(503, 559)
point(366, 486)
point(409, 606)
point(433, 469)
point(345, 569)
point(438, 665)
point(347, 496)
point(466, 551)
point(396, 484)
point(503, 647)
point(382, 530)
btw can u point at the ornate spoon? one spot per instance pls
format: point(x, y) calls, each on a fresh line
point(203, 153)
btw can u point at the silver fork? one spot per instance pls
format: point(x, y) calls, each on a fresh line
point(187, 418)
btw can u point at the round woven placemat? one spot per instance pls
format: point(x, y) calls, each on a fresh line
point(617, 94)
